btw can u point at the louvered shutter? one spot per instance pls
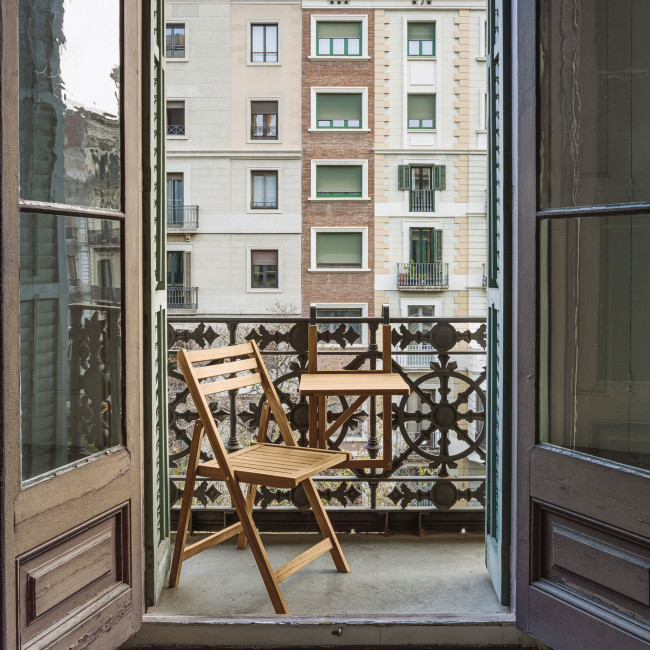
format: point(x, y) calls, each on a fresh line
point(439, 177)
point(403, 177)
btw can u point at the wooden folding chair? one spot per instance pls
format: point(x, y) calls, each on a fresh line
point(280, 466)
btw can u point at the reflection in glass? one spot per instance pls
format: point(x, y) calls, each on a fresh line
point(594, 93)
point(69, 75)
point(70, 339)
point(595, 353)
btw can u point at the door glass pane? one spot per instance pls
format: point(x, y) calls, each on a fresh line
point(70, 339)
point(594, 72)
point(595, 354)
point(69, 114)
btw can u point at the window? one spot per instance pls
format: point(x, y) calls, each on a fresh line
point(339, 250)
point(264, 269)
point(264, 120)
point(336, 181)
point(105, 273)
point(264, 43)
point(421, 111)
point(175, 41)
point(176, 117)
point(175, 269)
point(420, 311)
point(339, 110)
point(338, 38)
point(425, 245)
point(338, 313)
point(264, 189)
point(421, 38)
point(175, 199)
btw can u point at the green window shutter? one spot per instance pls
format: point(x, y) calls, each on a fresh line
point(422, 111)
point(421, 31)
point(403, 177)
point(339, 249)
point(439, 177)
point(436, 246)
point(339, 178)
point(339, 30)
point(338, 106)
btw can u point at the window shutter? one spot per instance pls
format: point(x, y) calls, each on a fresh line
point(436, 246)
point(264, 258)
point(403, 177)
point(439, 177)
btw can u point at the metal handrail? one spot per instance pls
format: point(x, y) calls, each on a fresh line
point(182, 217)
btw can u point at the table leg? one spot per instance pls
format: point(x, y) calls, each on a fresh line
point(322, 422)
point(313, 421)
point(388, 431)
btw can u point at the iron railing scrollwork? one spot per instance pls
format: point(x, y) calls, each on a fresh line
point(438, 431)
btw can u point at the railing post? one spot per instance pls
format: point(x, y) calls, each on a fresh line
point(233, 443)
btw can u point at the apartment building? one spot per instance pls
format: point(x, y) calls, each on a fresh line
point(233, 157)
point(326, 152)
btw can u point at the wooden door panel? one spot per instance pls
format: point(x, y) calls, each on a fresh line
point(73, 576)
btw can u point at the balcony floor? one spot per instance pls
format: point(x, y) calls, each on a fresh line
point(400, 575)
point(402, 591)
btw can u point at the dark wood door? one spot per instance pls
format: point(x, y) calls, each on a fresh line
point(71, 342)
point(582, 308)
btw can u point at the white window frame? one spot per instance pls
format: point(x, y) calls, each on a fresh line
point(335, 90)
point(187, 118)
point(331, 162)
point(482, 111)
point(407, 224)
point(405, 303)
point(249, 190)
point(405, 29)
point(348, 305)
point(249, 112)
point(185, 23)
point(327, 229)
point(262, 21)
point(340, 18)
point(482, 42)
point(249, 275)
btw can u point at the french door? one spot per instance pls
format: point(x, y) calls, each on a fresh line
point(582, 306)
point(71, 342)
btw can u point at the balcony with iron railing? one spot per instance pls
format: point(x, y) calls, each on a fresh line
point(422, 201)
point(262, 205)
point(436, 483)
point(422, 276)
point(110, 237)
point(105, 294)
point(183, 298)
point(182, 217)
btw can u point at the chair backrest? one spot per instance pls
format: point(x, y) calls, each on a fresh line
point(245, 362)
point(386, 343)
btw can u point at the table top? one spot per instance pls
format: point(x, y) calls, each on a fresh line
point(353, 382)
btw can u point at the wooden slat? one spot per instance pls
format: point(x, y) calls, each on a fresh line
point(204, 372)
point(386, 349)
point(219, 353)
point(303, 559)
point(216, 538)
point(229, 384)
point(210, 471)
point(312, 348)
point(353, 383)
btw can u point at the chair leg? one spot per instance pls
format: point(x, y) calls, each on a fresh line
point(325, 525)
point(186, 505)
point(261, 558)
point(250, 503)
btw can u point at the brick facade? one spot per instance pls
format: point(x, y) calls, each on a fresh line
point(336, 287)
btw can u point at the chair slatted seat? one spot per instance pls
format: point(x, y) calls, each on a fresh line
point(280, 466)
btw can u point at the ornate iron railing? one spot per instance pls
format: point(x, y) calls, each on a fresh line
point(175, 129)
point(437, 481)
point(415, 275)
point(182, 217)
point(182, 297)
